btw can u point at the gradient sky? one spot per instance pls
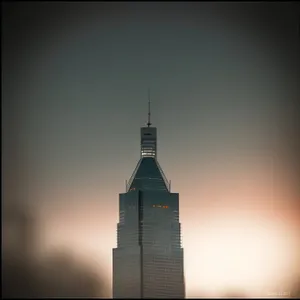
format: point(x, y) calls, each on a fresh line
point(224, 80)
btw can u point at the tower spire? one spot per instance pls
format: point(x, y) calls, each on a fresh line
point(149, 112)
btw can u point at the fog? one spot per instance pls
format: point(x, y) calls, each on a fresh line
point(27, 272)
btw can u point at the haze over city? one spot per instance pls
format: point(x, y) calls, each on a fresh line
point(224, 81)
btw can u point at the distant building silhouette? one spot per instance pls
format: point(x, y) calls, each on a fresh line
point(148, 260)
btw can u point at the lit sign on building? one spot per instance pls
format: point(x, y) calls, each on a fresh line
point(161, 206)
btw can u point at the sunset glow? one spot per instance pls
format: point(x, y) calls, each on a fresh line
point(225, 249)
point(242, 255)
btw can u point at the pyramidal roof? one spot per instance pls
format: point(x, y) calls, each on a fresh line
point(148, 175)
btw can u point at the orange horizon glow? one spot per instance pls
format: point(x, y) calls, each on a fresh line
point(225, 248)
point(243, 254)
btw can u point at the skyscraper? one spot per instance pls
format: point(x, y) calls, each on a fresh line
point(148, 260)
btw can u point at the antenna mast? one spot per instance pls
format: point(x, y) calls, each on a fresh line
point(149, 112)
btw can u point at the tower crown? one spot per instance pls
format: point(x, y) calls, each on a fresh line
point(148, 175)
point(148, 136)
point(148, 142)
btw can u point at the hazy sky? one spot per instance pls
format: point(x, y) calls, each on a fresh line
point(224, 80)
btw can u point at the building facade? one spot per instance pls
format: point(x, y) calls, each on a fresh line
point(148, 259)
